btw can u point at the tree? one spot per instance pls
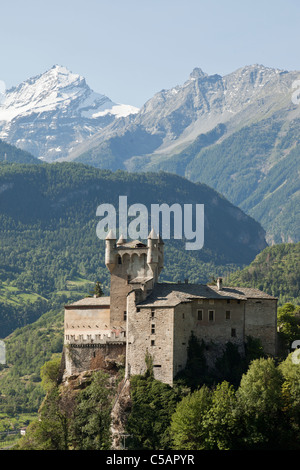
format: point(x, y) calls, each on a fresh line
point(91, 420)
point(259, 404)
point(97, 291)
point(288, 321)
point(51, 430)
point(153, 404)
point(290, 370)
point(221, 420)
point(49, 373)
point(186, 429)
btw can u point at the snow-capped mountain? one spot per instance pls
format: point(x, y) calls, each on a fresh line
point(51, 113)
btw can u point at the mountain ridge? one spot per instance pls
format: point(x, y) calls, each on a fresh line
point(248, 148)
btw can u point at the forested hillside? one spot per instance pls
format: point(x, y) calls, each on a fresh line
point(11, 154)
point(275, 271)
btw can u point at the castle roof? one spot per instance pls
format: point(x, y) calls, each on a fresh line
point(133, 244)
point(90, 302)
point(153, 235)
point(110, 235)
point(170, 295)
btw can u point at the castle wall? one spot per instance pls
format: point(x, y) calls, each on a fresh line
point(210, 320)
point(261, 322)
point(152, 333)
point(221, 321)
point(86, 320)
point(94, 351)
point(79, 358)
point(183, 325)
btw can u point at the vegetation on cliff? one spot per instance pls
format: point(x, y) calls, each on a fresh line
point(261, 413)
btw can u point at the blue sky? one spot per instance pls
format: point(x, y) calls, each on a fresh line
point(130, 49)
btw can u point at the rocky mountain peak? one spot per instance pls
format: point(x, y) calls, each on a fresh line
point(197, 73)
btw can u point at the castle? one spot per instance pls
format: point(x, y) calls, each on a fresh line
point(143, 316)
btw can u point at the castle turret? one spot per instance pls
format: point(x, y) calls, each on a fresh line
point(121, 240)
point(110, 251)
point(152, 255)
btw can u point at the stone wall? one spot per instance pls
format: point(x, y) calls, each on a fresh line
point(221, 320)
point(86, 320)
point(213, 321)
point(150, 330)
point(261, 322)
point(80, 357)
point(127, 268)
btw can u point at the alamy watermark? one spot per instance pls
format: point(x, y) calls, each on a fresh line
point(296, 93)
point(296, 353)
point(182, 222)
point(2, 352)
point(2, 91)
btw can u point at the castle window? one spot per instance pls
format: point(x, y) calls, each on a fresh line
point(211, 315)
point(228, 301)
point(238, 301)
point(119, 260)
point(152, 342)
point(125, 315)
point(156, 365)
point(152, 313)
point(200, 315)
point(138, 309)
point(233, 332)
point(227, 315)
point(183, 315)
point(153, 329)
point(94, 354)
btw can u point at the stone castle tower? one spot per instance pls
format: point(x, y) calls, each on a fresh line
point(131, 265)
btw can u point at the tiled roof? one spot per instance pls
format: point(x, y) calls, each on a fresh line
point(91, 302)
point(170, 295)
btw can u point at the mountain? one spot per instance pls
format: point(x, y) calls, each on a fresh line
point(49, 114)
point(275, 270)
point(49, 245)
point(238, 133)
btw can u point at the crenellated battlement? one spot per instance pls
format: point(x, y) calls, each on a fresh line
point(94, 339)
